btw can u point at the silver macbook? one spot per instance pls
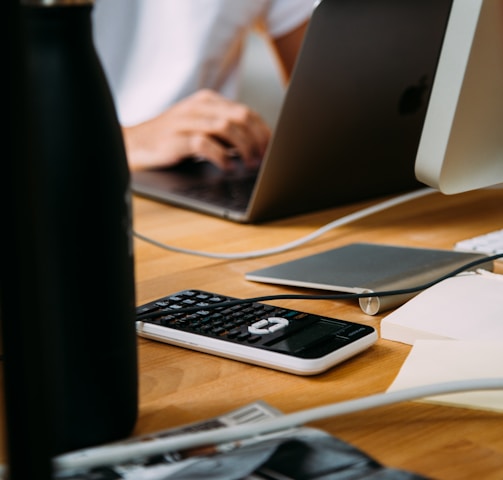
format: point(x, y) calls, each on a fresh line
point(350, 122)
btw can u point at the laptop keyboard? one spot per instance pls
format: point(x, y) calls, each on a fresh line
point(229, 191)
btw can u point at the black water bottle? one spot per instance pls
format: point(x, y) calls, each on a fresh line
point(78, 262)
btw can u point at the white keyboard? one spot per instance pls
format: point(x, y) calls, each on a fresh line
point(490, 243)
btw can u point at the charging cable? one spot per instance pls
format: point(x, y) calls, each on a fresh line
point(296, 243)
point(159, 312)
point(115, 454)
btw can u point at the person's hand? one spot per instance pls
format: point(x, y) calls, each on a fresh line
point(204, 125)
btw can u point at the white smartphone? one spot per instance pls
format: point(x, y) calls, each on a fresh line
point(253, 332)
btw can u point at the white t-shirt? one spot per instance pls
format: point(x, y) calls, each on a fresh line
point(156, 52)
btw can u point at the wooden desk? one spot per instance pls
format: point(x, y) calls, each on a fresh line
point(179, 386)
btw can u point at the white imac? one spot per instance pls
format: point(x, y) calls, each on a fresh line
point(461, 146)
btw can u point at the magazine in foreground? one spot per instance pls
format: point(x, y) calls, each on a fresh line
point(295, 453)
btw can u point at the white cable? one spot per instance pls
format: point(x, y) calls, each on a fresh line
point(115, 454)
point(288, 246)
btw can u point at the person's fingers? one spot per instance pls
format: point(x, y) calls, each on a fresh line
point(233, 123)
point(173, 147)
point(207, 148)
point(243, 130)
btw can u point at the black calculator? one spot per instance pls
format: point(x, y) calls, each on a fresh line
point(253, 332)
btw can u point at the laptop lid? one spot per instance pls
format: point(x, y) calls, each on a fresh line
point(351, 119)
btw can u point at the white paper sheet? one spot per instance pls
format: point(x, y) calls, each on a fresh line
point(432, 361)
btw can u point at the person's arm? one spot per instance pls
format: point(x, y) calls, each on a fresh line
point(287, 48)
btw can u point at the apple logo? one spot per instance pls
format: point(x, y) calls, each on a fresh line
point(412, 97)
